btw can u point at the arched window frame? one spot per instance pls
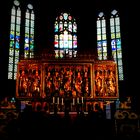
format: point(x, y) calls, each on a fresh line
point(101, 37)
point(14, 46)
point(116, 46)
point(29, 32)
point(65, 38)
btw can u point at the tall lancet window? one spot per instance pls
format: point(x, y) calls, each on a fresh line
point(65, 40)
point(14, 45)
point(116, 42)
point(101, 37)
point(29, 32)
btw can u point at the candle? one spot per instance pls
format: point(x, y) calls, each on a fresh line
point(78, 100)
point(73, 101)
point(82, 100)
point(57, 100)
point(62, 101)
point(53, 100)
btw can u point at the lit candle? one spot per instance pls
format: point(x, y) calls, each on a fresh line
point(73, 101)
point(62, 101)
point(57, 100)
point(78, 100)
point(82, 100)
point(53, 100)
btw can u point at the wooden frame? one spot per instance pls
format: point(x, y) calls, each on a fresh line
point(105, 78)
point(29, 80)
point(63, 70)
point(73, 78)
point(93, 78)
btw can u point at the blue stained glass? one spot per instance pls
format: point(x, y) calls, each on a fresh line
point(17, 45)
point(56, 29)
point(14, 40)
point(118, 41)
point(104, 43)
point(119, 46)
point(11, 36)
point(17, 38)
point(31, 47)
point(74, 37)
point(26, 47)
point(65, 16)
point(113, 47)
point(26, 39)
point(31, 40)
point(113, 42)
point(99, 44)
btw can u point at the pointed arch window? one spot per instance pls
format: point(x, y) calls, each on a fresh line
point(101, 37)
point(14, 45)
point(116, 42)
point(29, 32)
point(65, 40)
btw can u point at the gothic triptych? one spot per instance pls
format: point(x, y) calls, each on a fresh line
point(42, 80)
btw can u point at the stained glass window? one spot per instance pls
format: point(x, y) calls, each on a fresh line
point(29, 32)
point(101, 37)
point(116, 42)
point(14, 45)
point(65, 38)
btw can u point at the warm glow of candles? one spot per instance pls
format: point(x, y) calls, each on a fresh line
point(73, 101)
point(78, 100)
point(53, 100)
point(82, 100)
point(57, 100)
point(62, 101)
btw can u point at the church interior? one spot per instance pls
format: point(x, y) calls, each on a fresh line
point(45, 16)
point(67, 57)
